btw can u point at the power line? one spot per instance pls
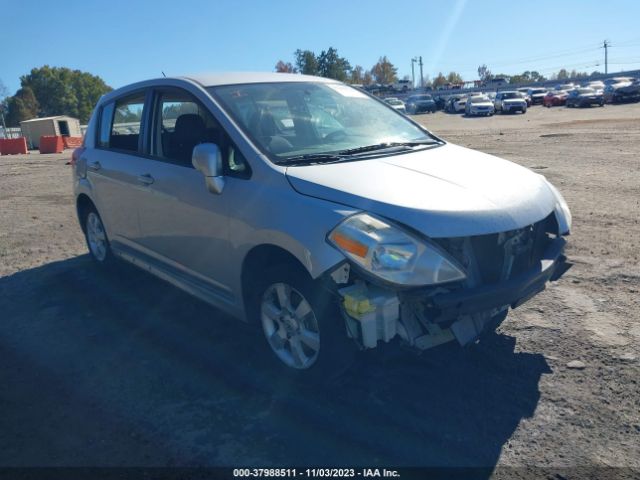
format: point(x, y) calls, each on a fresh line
point(558, 54)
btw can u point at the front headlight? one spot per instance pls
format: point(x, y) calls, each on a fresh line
point(392, 254)
point(564, 223)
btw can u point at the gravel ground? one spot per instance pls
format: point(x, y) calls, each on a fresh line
point(120, 369)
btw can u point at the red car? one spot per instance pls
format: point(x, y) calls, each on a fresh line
point(555, 98)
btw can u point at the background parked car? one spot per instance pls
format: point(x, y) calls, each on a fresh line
point(614, 80)
point(441, 101)
point(456, 104)
point(420, 104)
point(555, 98)
point(510, 102)
point(396, 103)
point(479, 105)
point(537, 95)
point(565, 87)
point(584, 97)
point(597, 85)
point(525, 91)
point(622, 92)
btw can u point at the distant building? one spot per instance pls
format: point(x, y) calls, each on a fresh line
point(61, 125)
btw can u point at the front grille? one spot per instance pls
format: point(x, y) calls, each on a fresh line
point(491, 253)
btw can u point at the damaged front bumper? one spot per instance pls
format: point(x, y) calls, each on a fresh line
point(424, 318)
point(513, 292)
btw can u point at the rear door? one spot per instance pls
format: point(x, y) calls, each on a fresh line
point(114, 163)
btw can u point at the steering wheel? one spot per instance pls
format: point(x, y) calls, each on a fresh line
point(335, 136)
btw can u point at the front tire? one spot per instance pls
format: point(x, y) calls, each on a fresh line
point(303, 329)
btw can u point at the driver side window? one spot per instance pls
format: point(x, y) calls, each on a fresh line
point(182, 123)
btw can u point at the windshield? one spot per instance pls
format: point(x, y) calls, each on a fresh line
point(479, 99)
point(288, 120)
point(512, 95)
point(586, 91)
point(421, 98)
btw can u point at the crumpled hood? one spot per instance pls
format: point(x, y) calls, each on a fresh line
point(447, 191)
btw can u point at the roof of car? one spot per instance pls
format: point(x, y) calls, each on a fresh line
point(233, 78)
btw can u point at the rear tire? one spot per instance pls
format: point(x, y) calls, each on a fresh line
point(302, 329)
point(97, 239)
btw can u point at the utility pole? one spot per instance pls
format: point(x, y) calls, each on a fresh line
point(413, 75)
point(421, 77)
point(606, 45)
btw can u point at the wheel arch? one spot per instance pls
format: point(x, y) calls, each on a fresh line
point(260, 258)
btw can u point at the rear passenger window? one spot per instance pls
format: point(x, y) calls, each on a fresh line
point(127, 120)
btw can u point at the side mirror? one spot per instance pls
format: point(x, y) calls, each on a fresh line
point(207, 159)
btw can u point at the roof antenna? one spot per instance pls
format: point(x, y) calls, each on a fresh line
point(163, 74)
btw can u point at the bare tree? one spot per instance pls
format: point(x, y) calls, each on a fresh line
point(484, 73)
point(357, 75)
point(4, 91)
point(282, 67)
point(440, 80)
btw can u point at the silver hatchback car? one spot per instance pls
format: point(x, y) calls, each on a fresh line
point(314, 211)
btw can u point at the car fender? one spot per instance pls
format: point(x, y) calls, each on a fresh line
point(296, 223)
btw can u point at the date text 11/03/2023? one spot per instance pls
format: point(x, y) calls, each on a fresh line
point(316, 472)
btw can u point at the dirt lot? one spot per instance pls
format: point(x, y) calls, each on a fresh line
point(122, 369)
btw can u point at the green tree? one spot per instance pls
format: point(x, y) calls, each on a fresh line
point(306, 61)
point(62, 91)
point(22, 106)
point(332, 65)
point(562, 74)
point(384, 71)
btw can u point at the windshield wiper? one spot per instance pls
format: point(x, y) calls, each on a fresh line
point(313, 158)
point(386, 145)
point(348, 154)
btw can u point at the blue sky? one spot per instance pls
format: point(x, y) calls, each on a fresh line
point(125, 41)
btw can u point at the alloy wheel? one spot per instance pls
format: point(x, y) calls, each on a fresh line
point(96, 237)
point(290, 326)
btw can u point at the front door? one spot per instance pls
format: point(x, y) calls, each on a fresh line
point(181, 222)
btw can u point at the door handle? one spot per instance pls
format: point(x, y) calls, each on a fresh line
point(94, 166)
point(145, 179)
